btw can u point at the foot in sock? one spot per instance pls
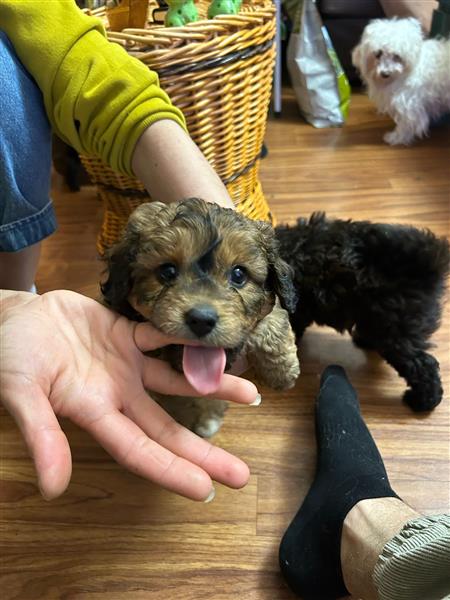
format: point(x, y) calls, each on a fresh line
point(349, 469)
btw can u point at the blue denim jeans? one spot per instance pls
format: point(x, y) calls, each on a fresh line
point(26, 210)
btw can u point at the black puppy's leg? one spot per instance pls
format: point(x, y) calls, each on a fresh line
point(421, 371)
point(362, 339)
point(300, 320)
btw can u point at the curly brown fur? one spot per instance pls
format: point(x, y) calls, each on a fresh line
point(272, 351)
point(382, 283)
point(203, 273)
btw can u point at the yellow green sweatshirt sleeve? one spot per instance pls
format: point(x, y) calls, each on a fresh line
point(98, 98)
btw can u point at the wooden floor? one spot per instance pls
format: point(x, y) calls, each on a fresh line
point(115, 536)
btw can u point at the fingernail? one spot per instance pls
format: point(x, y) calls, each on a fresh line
point(210, 497)
point(44, 495)
point(257, 401)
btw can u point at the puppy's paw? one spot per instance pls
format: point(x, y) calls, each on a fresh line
point(395, 138)
point(420, 400)
point(281, 374)
point(206, 428)
point(293, 371)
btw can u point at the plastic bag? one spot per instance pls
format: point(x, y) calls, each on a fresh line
point(320, 84)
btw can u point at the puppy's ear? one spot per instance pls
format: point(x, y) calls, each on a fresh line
point(280, 279)
point(116, 289)
point(417, 26)
point(280, 276)
point(356, 57)
point(121, 257)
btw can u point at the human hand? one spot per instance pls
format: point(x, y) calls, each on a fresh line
point(65, 354)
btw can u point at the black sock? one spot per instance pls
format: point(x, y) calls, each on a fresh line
point(349, 469)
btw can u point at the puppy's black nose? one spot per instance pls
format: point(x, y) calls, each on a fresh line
point(385, 74)
point(201, 320)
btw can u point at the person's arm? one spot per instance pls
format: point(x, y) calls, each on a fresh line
point(98, 98)
point(172, 167)
point(420, 9)
point(105, 103)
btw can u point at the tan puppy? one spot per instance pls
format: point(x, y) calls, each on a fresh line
point(207, 274)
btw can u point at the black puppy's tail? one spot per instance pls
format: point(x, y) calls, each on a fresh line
point(407, 252)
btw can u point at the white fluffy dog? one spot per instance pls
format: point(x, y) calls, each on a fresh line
point(408, 77)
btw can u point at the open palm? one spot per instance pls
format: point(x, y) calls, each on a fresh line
point(65, 354)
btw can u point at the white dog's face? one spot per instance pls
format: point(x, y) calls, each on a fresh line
point(384, 66)
point(388, 50)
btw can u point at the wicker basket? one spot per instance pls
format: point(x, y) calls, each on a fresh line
point(219, 73)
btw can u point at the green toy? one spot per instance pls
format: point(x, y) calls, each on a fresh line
point(223, 7)
point(180, 13)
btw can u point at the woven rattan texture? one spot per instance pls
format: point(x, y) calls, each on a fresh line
point(219, 73)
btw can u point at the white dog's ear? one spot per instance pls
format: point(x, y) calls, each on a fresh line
point(416, 25)
point(356, 56)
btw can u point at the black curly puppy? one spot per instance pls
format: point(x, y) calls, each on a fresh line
point(382, 283)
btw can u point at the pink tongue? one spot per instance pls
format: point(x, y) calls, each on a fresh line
point(203, 367)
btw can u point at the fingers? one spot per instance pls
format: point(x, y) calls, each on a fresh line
point(147, 337)
point(45, 440)
point(159, 376)
point(158, 425)
point(133, 449)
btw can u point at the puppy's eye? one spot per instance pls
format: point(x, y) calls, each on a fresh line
point(238, 276)
point(379, 54)
point(167, 272)
point(397, 58)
